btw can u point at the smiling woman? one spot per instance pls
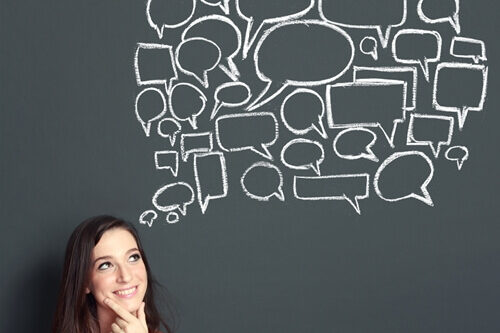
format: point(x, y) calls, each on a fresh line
point(107, 285)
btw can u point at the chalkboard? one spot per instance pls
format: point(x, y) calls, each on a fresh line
point(291, 166)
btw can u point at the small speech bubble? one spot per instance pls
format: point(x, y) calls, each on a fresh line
point(189, 61)
point(356, 132)
point(224, 4)
point(186, 103)
point(303, 154)
point(258, 12)
point(211, 178)
point(169, 128)
point(160, 15)
point(172, 218)
point(468, 48)
point(302, 111)
point(230, 94)
point(196, 143)
point(368, 46)
point(150, 105)
point(155, 64)
point(459, 154)
point(148, 217)
point(402, 168)
point(167, 159)
point(247, 131)
point(266, 175)
point(174, 196)
point(411, 46)
point(430, 130)
point(452, 17)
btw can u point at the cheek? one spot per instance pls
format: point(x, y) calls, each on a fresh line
point(102, 287)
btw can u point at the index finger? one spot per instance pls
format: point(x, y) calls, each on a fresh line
point(124, 314)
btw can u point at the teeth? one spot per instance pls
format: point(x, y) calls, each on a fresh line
point(125, 292)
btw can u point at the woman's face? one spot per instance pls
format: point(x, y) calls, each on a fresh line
point(117, 271)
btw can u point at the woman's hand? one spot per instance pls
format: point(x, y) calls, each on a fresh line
point(127, 322)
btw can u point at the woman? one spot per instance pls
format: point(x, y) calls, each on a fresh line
point(107, 284)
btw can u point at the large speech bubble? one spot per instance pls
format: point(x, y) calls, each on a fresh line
point(258, 12)
point(459, 154)
point(222, 4)
point(186, 103)
point(430, 130)
point(210, 169)
point(458, 44)
point(255, 131)
point(366, 152)
point(196, 143)
point(348, 187)
point(167, 159)
point(452, 17)
point(169, 128)
point(409, 160)
point(316, 53)
point(174, 196)
point(368, 46)
point(263, 173)
point(306, 154)
point(449, 83)
point(356, 14)
point(155, 64)
point(160, 14)
point(415, 48)
point(231, 95)
point(150, 105)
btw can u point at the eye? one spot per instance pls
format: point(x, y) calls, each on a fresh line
point(134, 257)
point(104, 266)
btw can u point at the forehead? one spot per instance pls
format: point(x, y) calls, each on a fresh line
point(114, 242)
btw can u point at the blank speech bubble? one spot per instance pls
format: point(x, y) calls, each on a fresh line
point(310, 155)
point(430, 130)
point(452, 17)
point(356, 14)
point(230, 94)
point(167, 159)
point(258, 12)
point(169, 128)
point(348, 187)
point(222, 4)
point(196, 143)
point(316, 53)
point(174, 196)
point(148, 217)
point(302, 111)
point(154, 64)
point(368, 46)
point(160, 15)
point(459, 154)
point(247, 131)
point(468, 48)
point(405, 175)
point(415, 48)
point(209, 173)
point(266, 175)
point(367, 152)
point(172, 218)
point(150, 105)
point(449, 94)
point(186, 103)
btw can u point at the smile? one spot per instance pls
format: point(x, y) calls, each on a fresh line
point(126, 293)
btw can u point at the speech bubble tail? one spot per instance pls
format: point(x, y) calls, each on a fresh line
point(425, 68)
point(146, 128)
point(225, 6)
point(268, 93)
point(374, 54)
point(424, 196)
point(215, 110)
point(435, 149)
point(455, 23)
point(250, 36)
point(175, 170)
point(228, 72)
point(233, 68)
point(384, 35)
point(320, 128)
point(280, 195)
point(203, 79)
point(172, 218)
point(462, 116)
point(172, 139)
point(354, 203)
point(183, 209)
point(316, 168)
point(159, 30)
point(390, 137)
point(370, 155)
point(265, 152)
point(460, 163)
point(204, 203)
point(192, 122)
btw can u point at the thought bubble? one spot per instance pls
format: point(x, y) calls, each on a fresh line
point(160, 14)
point(169, 128)
point(259, 12)
point(430, 130)
point(186, 103)
point(368, 46)
point(451, 17)
point(401, 169)
point(356, 14)
point(196, 57)
point(269, 179)
point(247, 131)
point(415, 48)
point(307, 47)
point(172, 218)
point(196, 143)
point(347, 135)
point(459, 154)
point(222, 4)
point(155, 64)
point(148, 217)
point(210, 171)
point(231, 95)
point(302, 111)
point(303, 154)
point(174, 196)
point(167, 159)
point(150, 105)
point(458, 44)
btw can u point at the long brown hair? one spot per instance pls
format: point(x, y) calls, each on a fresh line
point(77, 311)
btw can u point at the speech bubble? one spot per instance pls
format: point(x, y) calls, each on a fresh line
point(174, 196)
point(160, 15)
point(155, 64)
point(150, 105)
point(368, 46)
point(259, 12)
point(453, 18)
point(272, 171)
point(435, 131)
point(196, 143)
point(167, 159)
point(449, 96)
point(255, 131)
point(348, 187)
point(210, 169)
point(304, 147)
point(416, 50)
point(422, 194)
point(231, 95)
point(224, 5)
point(223, 32)
point(367, 103)
point(354, 14)
point(458, 44)
point(459, 154)
point(148, 217)
point(189, 60)
point(299, 103)
point(169, 128)
point(357, 131)
point(186, 103)
point(307, 47)
point(172, 218)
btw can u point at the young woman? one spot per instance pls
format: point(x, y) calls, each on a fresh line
point(107, 285)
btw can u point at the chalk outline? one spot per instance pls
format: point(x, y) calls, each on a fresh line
point(185, 153)
point(205, 201)
point(219, 104)
point(411, 141)
point(159, 30)
point(313, 166)
point(367, 154)
point(169, 220)
point(153, 46)
point(146, 126)
point(263, 164)
point(460, 162)
point(475, 58)
point(454, 20)
point(373, 53)
point(171, 138)
point(170, 208)
point(193, 120)
point(175, 170)
point(151, 221)
point(222, 4)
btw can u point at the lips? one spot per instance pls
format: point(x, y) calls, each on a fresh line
point(126, 293)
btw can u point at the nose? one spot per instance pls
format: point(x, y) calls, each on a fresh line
point(124, 274)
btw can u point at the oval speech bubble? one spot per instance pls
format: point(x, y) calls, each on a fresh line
point(356, 131)
point(230, 94)
point(160, 15)
point(174, 196)
point(272, 172)
point(186, 103)
point(169, 128)
point(458, 154)
point(453, 18)
point(150, 105)
point(311, 154)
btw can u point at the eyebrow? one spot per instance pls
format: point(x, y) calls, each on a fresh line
point(110, 257)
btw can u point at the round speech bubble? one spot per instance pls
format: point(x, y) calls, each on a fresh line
point(150, 105)
point(186, 103)
point(230, 94)
point(459, 154)
point(353, 134)
point(263, 174)
point(174, 196)
point(148, 217)
point(160, 15)
point(169, 128)
point(452, 17)
point(368, 46)
point(303, 154)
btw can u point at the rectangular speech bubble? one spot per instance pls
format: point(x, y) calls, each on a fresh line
point(196, 143)
point(210, 175)
point(430, 130)
point(468, 48)
point(167, 159)
point(154, 64)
